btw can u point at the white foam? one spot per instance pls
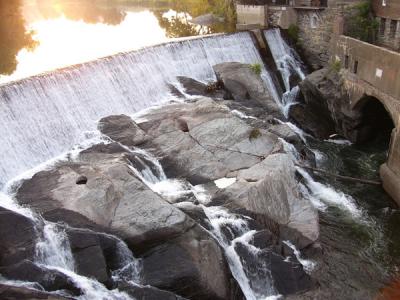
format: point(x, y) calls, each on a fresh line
point(224, 182)
point(307, 264)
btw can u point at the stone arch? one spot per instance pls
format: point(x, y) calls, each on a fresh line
point(376, 119)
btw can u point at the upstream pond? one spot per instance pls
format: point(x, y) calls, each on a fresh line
point(43, 35)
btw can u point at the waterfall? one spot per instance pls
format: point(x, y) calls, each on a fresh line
point(53, 252)
point(248, 264)
point(43, 116)
point(288, 63)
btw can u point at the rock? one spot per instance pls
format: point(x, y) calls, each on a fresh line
point(285, 132)
point(8, 292)
point(243, 83)
point(50, 280)
point(122, 129)
point(192, 265)
point(270, 189)
point(326, 109)
point(289, 277)
point(18, 237)
point(203, 141)
point(89, 256)
point(112, 198)
point(197, 88)
point(140, 292)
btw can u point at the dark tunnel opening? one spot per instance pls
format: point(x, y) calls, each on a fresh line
point(376, 122)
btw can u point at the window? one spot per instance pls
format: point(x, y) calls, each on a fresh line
point(314, 21)
point(383, 2)
point(355, 69)
point(383, 26)
point(392, 32)
point(346, 61)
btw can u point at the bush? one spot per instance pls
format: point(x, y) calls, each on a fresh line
point(256, 68)
point(362, 25)
point(336, 66)
point(293, 32)
point(254, 134)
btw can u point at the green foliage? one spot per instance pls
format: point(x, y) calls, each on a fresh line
point(256, 68)
point(336, 66)
point(293, 32)
point(362, 24)
point(254, 134)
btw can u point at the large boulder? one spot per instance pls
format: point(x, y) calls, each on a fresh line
point(325, 109)
point(197, 88)
point(49, 279)
point(18, 237)
point(140, 292)
point(192, 265)
point(270, 189)
point(9, 292)
point(102, 188)
point(203, 141)
point(122, 129)
point(244, 83)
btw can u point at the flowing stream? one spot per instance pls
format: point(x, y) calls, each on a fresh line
point(52, 111)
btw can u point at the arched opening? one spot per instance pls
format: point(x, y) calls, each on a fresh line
point(376, 122)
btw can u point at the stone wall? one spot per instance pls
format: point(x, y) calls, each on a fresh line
point(390, 10)
point(315, 33)
point(281, 16)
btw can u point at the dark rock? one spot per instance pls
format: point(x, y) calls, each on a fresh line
point(326, 107)
point(18, 237)
point(312, 121)
point(8, 292)
point(289, 277)
point(243, 83)
point(122, 129)
point(140, 292)
point(192, 265)
point(50, 280)
point(197, 88)
point(88, 255)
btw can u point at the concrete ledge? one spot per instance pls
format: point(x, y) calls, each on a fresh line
point(391, 183)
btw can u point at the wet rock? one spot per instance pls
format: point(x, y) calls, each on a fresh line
point(285, 132)
point(49, 279)
point(243, 83)
point(197, 88)
point(112, 198)
point(122, 129)
point(289, 277)
point(270, 189)
point(88, 252)
point(192, 265)
point(18, 237)
point(8, 292)
point(140, 292)
point(326, 107)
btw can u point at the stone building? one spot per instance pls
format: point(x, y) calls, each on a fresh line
point(387, 13)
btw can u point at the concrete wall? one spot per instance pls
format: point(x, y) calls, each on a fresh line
point(251, 15)
point(377, 66)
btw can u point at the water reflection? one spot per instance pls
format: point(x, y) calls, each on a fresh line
point(42, 35)
point(13, 35)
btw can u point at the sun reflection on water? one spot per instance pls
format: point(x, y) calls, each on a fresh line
point(63, 42)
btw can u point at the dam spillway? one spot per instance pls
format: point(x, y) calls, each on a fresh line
point(43, 116)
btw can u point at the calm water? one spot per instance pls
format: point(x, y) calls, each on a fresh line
point(42, 35)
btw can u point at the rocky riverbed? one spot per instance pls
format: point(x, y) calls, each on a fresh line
point(197, 199)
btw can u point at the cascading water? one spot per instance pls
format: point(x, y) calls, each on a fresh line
point(53, 252)
point(248, 264)
point(44, 115)
point(289, 65)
